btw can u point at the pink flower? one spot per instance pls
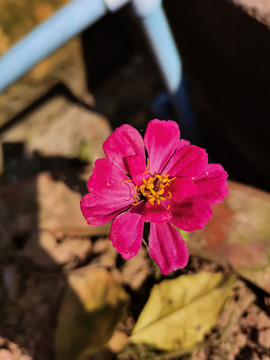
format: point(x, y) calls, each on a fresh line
point(172, 186)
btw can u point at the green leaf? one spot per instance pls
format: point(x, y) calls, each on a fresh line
point(183, 233)
point(181, 311)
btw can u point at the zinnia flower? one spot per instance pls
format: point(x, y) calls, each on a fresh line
point(160, 180)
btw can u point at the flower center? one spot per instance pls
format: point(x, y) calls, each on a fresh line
point(154, 187)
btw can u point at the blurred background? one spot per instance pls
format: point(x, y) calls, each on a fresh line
point(110, 70)
point(53, 122)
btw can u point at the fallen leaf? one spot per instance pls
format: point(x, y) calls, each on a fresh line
point(92, 306)
point(181, 311)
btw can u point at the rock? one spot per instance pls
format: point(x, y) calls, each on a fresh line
point(45, 248)
point(64, 66)
point(6, 355)
point(264, 338)
point(238, 234)
point(100, 246)
point(136, 270)
point(12, 351)
point(104, 254)
point(42, 221)
point(60, 128)
point(53, 135)
point(42, 203)
point(259, 9)
point(118, 341)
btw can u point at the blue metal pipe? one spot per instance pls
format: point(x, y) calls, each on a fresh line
point(78, 15)
point(157, 30)
point(49, 36)
point(160, 38)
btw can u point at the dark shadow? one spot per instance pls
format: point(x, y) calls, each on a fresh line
point(36, 285)
point(58, 89)
point(29, 284)
point(226, 54)
point(19, 165)
point(125, 79)
point(120, 70)
point(106, 47)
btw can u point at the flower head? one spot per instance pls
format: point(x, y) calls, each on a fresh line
point(172, 186)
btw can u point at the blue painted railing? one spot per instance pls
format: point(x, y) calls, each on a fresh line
point(80, 14)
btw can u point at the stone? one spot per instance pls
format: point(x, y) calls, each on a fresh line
point(52, 135)
point(118, 341)
point(12, 351)
point(45, 248)
point(238, 234)
point(42, 203)
point(136, 270)
point(104, 254)
point(259, 9)
point(42, 222)
point(64, 66)
point(264, 338)
point(6, 355)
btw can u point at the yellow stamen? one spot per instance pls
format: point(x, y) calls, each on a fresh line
point(147, 172)
point(154, 187)
point(125, 181)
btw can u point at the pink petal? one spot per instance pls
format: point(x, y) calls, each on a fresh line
point(188, 161)
point(136, 166)
point(106, 197)
point(124, 141)
point(213, 186)
point(182, 143)
point(156, 213)
point(182, 188)
point(167, 247)
point(191, 214)
point(127, 232)
point(161, 139)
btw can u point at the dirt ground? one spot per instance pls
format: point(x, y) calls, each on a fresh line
point(54, 267)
